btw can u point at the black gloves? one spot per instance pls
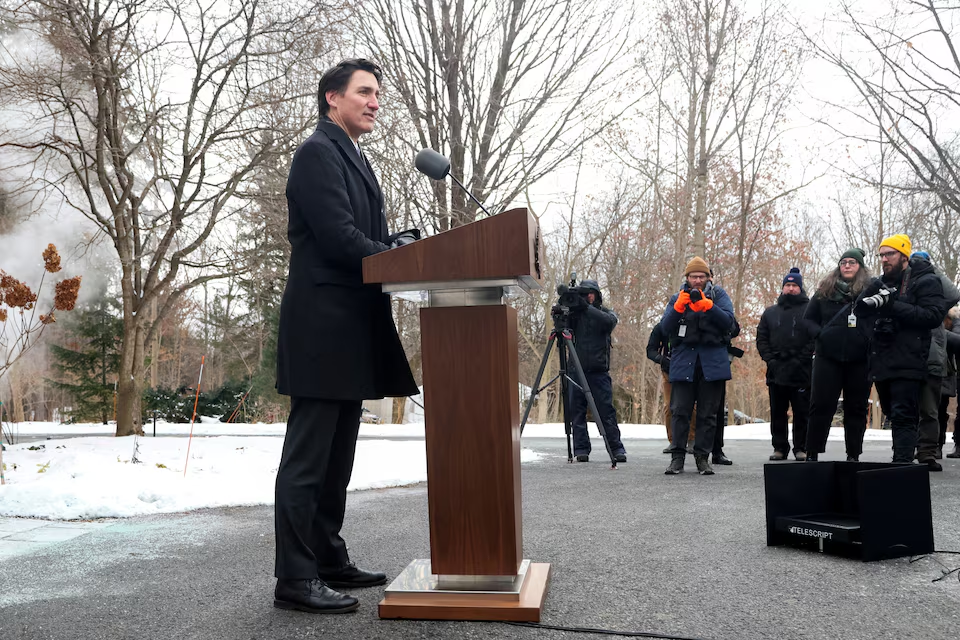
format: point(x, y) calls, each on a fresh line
point(664, 364)
point(403, 237)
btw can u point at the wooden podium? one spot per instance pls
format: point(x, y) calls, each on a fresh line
point(476, 569)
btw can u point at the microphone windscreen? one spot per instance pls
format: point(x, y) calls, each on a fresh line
point(433, 164)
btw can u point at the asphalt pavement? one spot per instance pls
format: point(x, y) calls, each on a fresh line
point(631, 550)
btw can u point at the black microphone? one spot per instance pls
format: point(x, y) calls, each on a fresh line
point(436, 166)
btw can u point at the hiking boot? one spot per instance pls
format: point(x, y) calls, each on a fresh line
point(801, 456)
point(582, 457)
point(676, 465)
point(703, 466)
point(932, 464)
point(778, 455)
point(620, 457)
point(668, 449)
point(956, 451)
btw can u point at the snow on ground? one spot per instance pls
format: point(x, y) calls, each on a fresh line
point(95, 475)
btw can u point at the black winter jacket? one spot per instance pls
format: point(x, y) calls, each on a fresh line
point(591, 336)
point(836, 339)
point(785, 341)
point(900, 330)
point(658, 348)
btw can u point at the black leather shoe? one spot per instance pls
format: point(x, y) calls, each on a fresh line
point(352, 576)
point(312, 596)
point(778, 455)
point(620, 457)
point(583, 458)
point(722, 459)
point(955, 453)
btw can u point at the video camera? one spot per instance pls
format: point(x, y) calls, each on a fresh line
point(572, 299)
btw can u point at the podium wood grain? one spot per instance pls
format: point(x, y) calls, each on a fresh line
point(472, 429)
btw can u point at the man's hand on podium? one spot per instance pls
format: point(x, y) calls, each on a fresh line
point(404, 237)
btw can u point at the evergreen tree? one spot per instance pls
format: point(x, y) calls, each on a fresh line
point(89, 360)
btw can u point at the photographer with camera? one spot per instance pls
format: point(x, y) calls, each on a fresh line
point(592, 325)
point(698, 321)
point(902, 308)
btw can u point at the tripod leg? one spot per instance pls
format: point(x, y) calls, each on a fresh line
point(535, 390)
point(565, 398)
point(568, 340)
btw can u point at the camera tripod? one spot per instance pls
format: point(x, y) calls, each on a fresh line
point(563, 337)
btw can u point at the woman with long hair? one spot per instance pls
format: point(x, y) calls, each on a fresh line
point(840, 357)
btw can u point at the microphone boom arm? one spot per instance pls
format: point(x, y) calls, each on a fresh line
point(467, 191)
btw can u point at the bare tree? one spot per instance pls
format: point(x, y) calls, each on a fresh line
point(507, 88)
point(905, 70)
point(150, 117)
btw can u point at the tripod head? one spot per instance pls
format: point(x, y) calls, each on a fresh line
point(571, 301)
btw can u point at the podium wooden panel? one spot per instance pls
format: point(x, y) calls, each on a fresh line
point(470, 354)
point(472, 415)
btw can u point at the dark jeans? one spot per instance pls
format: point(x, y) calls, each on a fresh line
point(602, 389)
point(928, 433)
point(315, 469)
point(900, 400)
point(781, 398)
point(706, 396)
point(831, 378)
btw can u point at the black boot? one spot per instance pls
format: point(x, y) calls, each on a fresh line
point(312, 596)
point(583, 458)
point(812, 456)
point(676, 464)
point(956, 451)
point(352, 576)
point(721, 458)
point(703, 466)
point(939, 454)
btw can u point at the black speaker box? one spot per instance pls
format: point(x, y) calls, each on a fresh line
point(867, 510)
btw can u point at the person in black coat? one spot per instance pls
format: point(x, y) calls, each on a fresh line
point(840, 357)
point(785, 342)
point(902, 308)
point(338, 344)
point(592, 325)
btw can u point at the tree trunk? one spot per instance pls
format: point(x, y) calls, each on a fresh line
point(130, 380)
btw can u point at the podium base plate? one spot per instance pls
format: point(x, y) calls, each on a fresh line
point(430, 603)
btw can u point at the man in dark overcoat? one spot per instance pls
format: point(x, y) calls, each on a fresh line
point(338, 344)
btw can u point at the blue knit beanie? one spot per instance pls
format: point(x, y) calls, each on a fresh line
point(794, 277)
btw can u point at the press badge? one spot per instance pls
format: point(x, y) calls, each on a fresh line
point(851, 321)
point(683, 330)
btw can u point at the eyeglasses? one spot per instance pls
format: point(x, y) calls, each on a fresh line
point(887, 255)
point(848, 263)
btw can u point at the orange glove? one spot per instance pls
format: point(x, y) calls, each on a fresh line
point(682, 301)
point(703, 305)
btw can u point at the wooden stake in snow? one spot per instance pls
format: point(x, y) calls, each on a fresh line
point(193, 419)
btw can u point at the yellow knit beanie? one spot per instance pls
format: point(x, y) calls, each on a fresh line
point(697, 264)
point(900, 242)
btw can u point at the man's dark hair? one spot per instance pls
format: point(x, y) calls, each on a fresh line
point(337, 78)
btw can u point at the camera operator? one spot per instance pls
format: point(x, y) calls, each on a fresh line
point(903, 307)
point(698, 321)
point(592, 325)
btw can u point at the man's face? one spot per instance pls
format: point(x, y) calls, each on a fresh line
point(591, 297)
point(356, 110)
point(892, 261)
point(697, 280)
point(791, 289)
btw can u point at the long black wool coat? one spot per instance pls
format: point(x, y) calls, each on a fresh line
point(337, 338)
